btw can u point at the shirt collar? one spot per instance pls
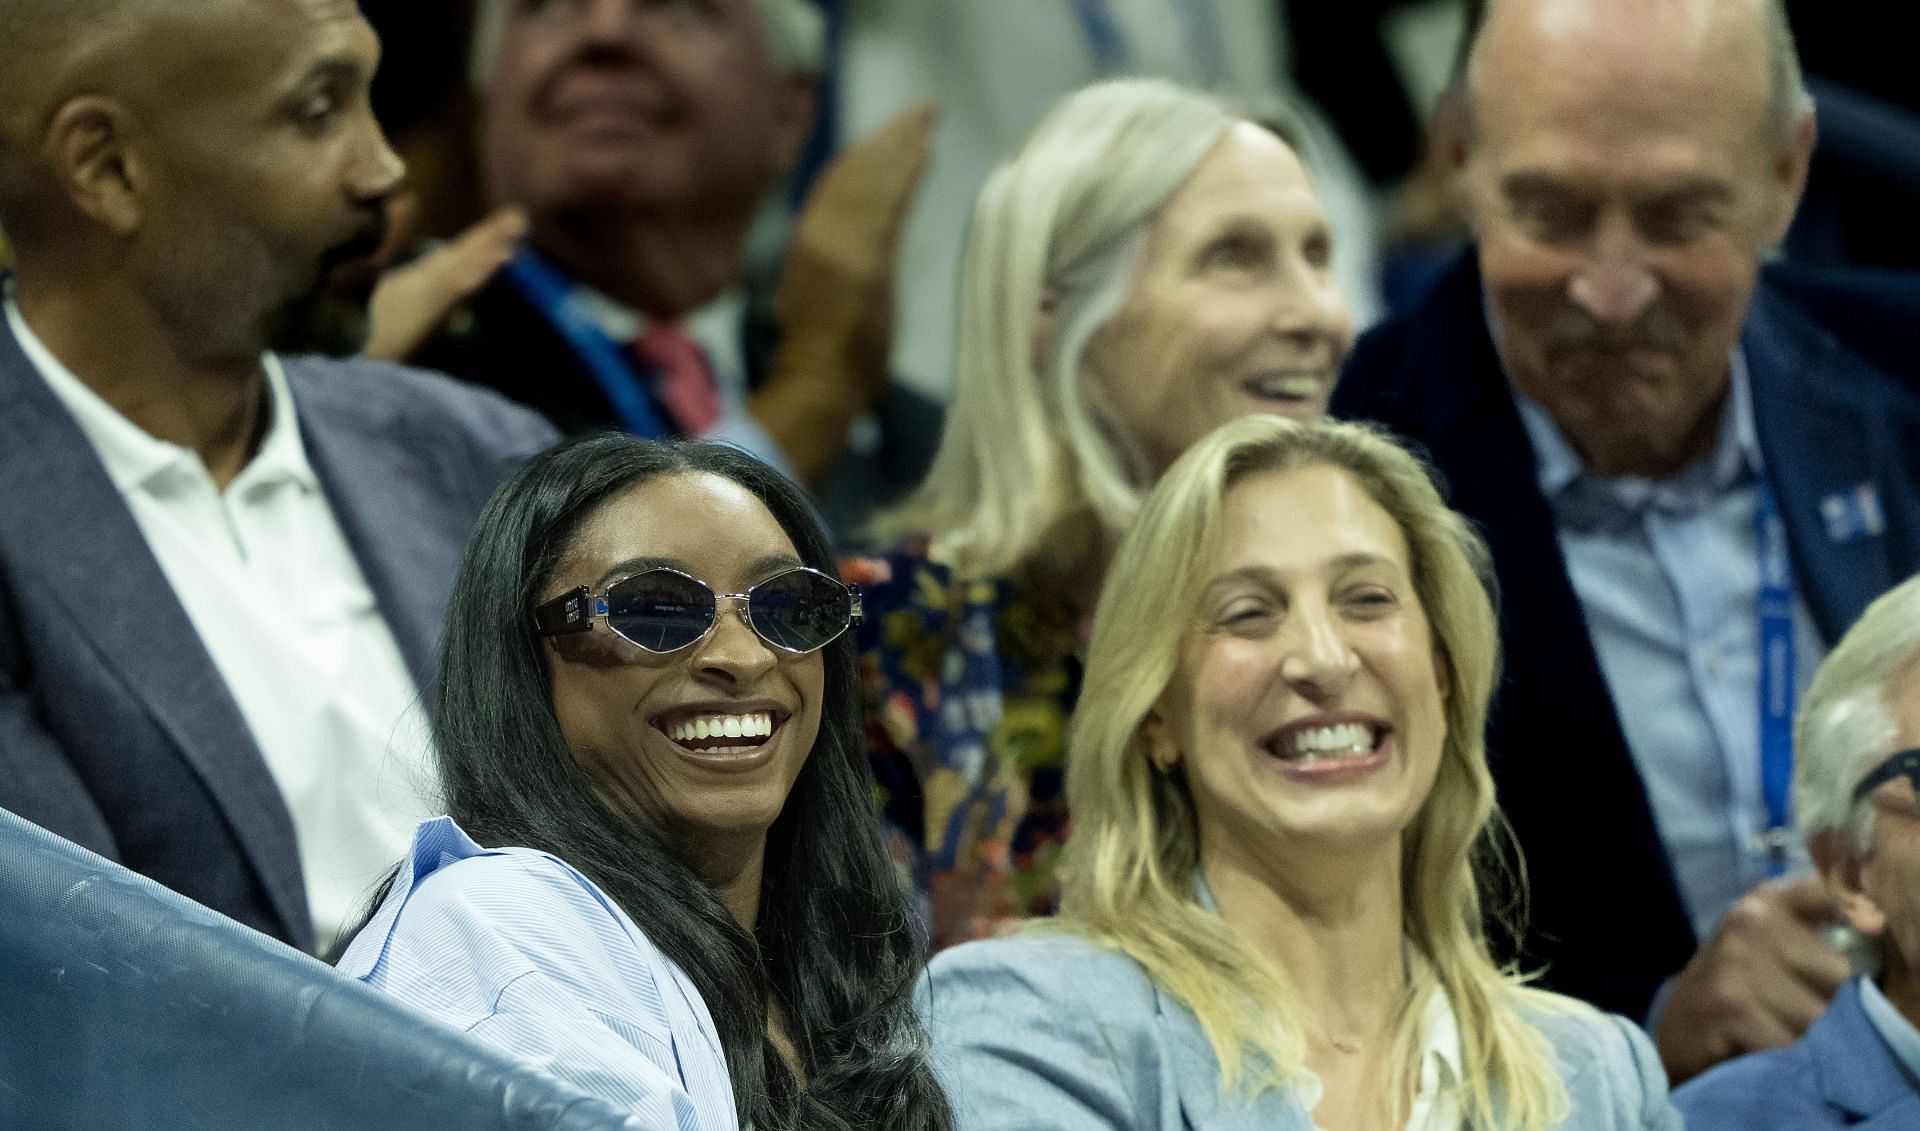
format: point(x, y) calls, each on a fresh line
point(1736, 452)
point(1902, 1039)
point(133, 457)
point(718, 327)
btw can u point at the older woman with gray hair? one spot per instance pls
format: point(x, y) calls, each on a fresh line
point(1856, 793)
point(1151, 264)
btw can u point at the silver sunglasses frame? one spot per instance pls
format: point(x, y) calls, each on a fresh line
point(575, 611)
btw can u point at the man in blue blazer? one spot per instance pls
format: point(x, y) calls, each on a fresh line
point(1624, 401)
point(1856, 795)
point(221, 574)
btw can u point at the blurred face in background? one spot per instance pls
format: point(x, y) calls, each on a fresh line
point(1233, 308)
point(643, 106)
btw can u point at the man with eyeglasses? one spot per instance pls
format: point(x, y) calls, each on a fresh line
point(1856, 791)
point(222, 567)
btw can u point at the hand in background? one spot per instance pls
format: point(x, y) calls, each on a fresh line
point(835, 302)
point(412, 302)
point(1766, 974)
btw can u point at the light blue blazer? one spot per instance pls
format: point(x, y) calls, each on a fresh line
point(1841, 1074)
point(1052, 1032)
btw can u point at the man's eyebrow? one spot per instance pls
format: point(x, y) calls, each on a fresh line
point(348, 70)
point(1690, 190)
point(1529, 183)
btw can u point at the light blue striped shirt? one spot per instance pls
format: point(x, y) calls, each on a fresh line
point(525, 953)
point(1668, 577)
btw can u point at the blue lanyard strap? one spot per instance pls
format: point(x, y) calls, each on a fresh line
point(1112, 55)
point(1776, 690)
point(553, 295)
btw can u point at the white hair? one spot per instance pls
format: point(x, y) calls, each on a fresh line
point(1032, 465)
point(1846, 725)
point(794, 31)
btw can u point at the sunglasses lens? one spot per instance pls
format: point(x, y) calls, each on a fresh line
point(800, 610)
point(660, 610)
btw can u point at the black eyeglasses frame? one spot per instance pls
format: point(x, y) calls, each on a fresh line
point(1905, 763)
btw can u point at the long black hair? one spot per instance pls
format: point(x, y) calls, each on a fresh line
point(834, 946)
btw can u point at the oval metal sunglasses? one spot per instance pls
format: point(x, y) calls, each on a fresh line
point(663, 610)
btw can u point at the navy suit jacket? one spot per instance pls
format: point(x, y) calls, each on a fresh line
point(116, 730)
point(1841, 1074)
point(1606, 918)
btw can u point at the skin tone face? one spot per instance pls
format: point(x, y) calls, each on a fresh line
point(1307, 710)
point(660, 106)
point(265, 180)
point(1234, 308)
point(1880, 891)
point(617, 703)
point(1622, 181)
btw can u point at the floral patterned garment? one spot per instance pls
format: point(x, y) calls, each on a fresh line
point(967, 688)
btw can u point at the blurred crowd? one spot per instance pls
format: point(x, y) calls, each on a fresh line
point(985, 563)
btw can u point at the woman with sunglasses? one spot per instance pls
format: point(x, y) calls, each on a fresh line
point(647, 716)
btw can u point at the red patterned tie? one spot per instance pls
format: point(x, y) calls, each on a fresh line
point(682, 379)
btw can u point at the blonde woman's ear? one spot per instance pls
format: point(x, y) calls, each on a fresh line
point(1156, 739)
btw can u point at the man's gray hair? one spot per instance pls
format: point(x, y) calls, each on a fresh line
point(1846, 724)
point(794, 31)
point(1787, 98)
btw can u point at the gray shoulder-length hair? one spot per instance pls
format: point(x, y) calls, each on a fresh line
point(1029, 469)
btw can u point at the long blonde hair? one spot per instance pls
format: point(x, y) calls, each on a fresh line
point(1130, 862)
point(1028, 468)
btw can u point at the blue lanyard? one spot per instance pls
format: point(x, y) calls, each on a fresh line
point(553, 295)
point(1112, 55)
point(1776, 676)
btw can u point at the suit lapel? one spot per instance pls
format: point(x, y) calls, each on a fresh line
point(1196, 1075)
point(394, 502)
point(74, 533)
point(1856, 1071)
point(1818, 443)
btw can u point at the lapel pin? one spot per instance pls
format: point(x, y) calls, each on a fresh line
point(1853, 515)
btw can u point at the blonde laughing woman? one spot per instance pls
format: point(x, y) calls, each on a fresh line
point(1271, 914)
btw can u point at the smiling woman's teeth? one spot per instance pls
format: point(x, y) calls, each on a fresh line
point(752, 726)
point(1344, 740)
point(1294, 386)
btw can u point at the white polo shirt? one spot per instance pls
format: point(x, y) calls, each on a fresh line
point(272, 587)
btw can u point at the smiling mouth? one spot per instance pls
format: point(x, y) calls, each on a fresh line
point(1293, 387)
point(710, 732)
point(1300, 745)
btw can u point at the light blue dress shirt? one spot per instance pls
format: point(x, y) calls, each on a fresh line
point(1668, 577)
point(1903, 1040)
point(525, 953)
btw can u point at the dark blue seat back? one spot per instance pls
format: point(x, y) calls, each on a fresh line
point(123, 1004)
